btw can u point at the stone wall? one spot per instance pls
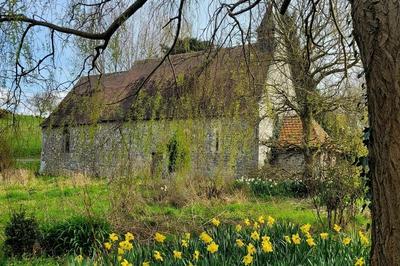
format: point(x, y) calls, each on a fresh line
point(216, 146)
point(290, 161)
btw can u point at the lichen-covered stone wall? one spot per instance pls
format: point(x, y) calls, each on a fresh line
point(291, 161)
point(214, 146)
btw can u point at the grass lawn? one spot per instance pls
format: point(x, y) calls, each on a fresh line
point(25, 137)
point(57, 198)
point(53, 199)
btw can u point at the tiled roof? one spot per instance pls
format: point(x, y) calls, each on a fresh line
point(291, 133)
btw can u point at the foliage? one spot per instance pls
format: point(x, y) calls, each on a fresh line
point(339, 189)
point(76, 235)
point(43, 103)
point(178, 152)
point(261, 241)
point(4, 113)
point(345, 130)
point(187, 45)
point(268, 187)
point(24, 136)
point(22, 233)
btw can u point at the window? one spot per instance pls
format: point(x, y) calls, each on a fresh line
point(66, 140)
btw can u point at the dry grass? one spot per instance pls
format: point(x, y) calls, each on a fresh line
point(145, 205)
point(16, 177)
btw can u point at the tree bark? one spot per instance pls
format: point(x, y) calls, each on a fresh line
point(377, 32)
point(308, 151)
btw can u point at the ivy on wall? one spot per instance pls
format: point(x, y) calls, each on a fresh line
point(178, 152)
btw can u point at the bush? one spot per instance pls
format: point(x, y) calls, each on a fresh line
point(338, 190)
point(79, 235)
point(21, 234)
point(268, 187)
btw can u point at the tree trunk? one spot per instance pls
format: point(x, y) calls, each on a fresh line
point(308, 153)
point(377, 32)
point(304, 87)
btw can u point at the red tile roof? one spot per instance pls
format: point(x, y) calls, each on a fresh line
point(291, 133)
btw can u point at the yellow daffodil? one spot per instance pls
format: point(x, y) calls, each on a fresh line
point(363, 238)
point(271, 221)
point(113, 237)
point(261, 219)
point(121, 251)
point(206, 238)
point(215, 222)
point(248, 259)
point(266, 245)
point(324, 236)
point(255, 236)
point(251, 249)
point(79, 259)
point(310, 241)
point(184, 243)
point(346, 241)
point(287, 239)
point(125, 245)
point(129, 236)
point(296, 239)
point(239, 243)
point(157, 256)
point(308, 235)
point(125, 263)
point(177, 254)
point(119, 258)
point(256, 225)
point(107, 245)
point(305, 228)
point(238, 228)
point(146, 263)
point(247, 222)
point(337, 228)
point(159, 237)
point(360, 262)
point(212, 248)
point(187, 236)
point(196, 255)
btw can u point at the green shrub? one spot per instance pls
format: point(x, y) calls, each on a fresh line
point(79, 235)
point(178, 152)
point(337, 191)
point(21, 234)
point(268, 187)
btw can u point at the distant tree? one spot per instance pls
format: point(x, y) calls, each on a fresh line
point(43, 103)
